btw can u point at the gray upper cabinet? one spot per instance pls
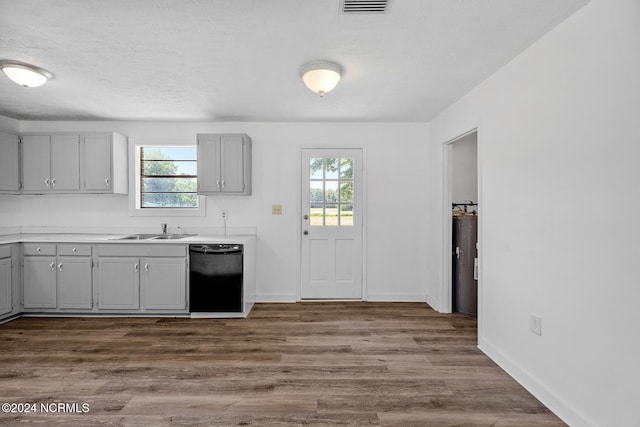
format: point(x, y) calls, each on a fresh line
point(224, 164)
point(104, 163)
point(50, 163)
point(9, 164)
point(36, 163)
point(65, 163)
point(70, 163)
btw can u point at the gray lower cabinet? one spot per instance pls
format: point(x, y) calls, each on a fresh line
point(39, 282)
point(57, 277)
point(147, 278)
point(6, 281)
point(74, 280)
point(118, 283)
point(10, 280)
point(164, 284)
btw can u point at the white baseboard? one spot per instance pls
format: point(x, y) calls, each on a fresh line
point(433, 303)
point(396, 298)
point(276, 298)
point(551, 400)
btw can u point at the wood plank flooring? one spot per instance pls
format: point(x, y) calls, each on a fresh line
point(324, 364)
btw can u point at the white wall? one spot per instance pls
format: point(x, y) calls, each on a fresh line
point(394, 159)
point(559, 179)
point(464, 174)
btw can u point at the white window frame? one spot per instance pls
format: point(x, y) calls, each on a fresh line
point(134, 186)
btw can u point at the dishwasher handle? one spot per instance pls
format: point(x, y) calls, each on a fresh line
point(215, 249)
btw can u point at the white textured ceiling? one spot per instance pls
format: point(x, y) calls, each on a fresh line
point(238, 60)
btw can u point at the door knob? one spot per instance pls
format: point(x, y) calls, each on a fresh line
point(305, 232)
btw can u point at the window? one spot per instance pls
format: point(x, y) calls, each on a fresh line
point(331, 191)
point(168, 177)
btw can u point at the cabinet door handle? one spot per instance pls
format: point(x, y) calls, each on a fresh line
point(223, 184)
point(146, 267)
point(75, 250)
point(53, 266)
point(135, 267)
point(53, 182)
point(38, 249)
point(60, 266)
point(106, 181)
point(46, 182)
point(218, 183)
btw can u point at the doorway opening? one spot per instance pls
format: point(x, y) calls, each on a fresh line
point(461, 216)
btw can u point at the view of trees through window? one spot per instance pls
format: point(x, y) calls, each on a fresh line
point(168, 177)
point(331, 191)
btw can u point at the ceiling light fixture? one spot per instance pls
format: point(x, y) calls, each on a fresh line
point(321, 76)
point(24, 74)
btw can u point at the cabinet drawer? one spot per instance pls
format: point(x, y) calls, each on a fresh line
point(74, 250)
point(135, 250)
point(38, 249)
point(5, 251)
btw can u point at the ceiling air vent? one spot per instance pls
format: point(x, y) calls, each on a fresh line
point(364, 6)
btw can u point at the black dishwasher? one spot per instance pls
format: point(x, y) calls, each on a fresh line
point(215, 278)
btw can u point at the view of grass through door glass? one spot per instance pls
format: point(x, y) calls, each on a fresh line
point(331, 191)
point(168, 177)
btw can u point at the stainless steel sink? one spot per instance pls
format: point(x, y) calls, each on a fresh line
point(171, 236)
point(137, 237)
point(154, 237)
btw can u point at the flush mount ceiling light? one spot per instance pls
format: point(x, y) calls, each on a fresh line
point(24, 74)
point(321, 76)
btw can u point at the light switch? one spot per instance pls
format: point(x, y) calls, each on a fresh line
point(276, 209)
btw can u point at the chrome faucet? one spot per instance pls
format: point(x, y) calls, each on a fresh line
point(164, 228)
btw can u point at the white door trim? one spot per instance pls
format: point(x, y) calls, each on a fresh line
point(365, 205)
point(446, 299)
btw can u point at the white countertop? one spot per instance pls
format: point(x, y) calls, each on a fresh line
point(113, 238)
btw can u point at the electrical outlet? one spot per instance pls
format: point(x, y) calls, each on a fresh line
point(276, 209)
point(224, 215)
point(535, 324)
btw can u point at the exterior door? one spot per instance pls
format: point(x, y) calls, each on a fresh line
point(331, 224)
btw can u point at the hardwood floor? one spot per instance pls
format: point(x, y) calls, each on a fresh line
point(327, 364)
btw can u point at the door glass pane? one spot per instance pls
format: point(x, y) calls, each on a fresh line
point(346, 191)
point(315, 168)
point(331, 215)
point(316, 217)
point(331, 191)
point(315, 192)
point(331, 168)
point(346, 168)
point(346, 215)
